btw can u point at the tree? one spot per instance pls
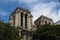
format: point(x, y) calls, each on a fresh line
point(47, 32)
point(8, 32)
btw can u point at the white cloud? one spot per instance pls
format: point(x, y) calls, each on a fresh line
point(39, 7)
point(28, 1)
point(11, 0)
point(45, 9)
point(3, 13)
point(58, 12)
point(36, 1)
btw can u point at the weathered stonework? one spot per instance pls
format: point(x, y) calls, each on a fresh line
point(22, 19)
point(42, 20)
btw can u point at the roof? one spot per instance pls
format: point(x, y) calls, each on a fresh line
point(57, 23)
point(46, 17)
point(43, 17)
point(21, 8)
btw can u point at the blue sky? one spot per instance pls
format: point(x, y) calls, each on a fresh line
point(49, 8)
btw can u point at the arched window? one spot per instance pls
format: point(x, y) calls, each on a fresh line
point(49, 23)
point(26, 20)
point(22, 19)
point(45, 22)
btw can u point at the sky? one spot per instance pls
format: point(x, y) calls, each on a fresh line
point(49, 8)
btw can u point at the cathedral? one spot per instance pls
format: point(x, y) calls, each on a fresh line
point(22, 19)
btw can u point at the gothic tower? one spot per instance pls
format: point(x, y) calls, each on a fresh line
point(21, 18)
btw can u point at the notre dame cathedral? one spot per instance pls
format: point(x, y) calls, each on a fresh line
point(22, 19)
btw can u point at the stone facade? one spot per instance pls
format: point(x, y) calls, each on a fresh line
point(22, 18)
point(42, 20)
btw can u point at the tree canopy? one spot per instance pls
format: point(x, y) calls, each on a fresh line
point(8, 32)
point(47, 32)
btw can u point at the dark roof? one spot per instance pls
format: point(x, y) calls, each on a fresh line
point(21, 8)
point(58, 21)
point(46, 17)
point(42, 17)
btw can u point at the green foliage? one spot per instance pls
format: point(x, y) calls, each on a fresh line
point(8, 32)
point(47, 32)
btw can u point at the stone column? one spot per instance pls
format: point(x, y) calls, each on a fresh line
point(23, 21)
point(19, 21)
point(11, 21)
point(24, 37)
point(29, 37)
point(16, 19)
point(29, 22)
